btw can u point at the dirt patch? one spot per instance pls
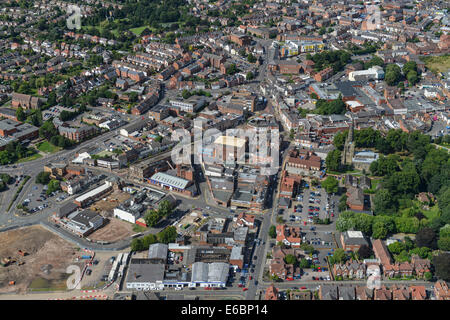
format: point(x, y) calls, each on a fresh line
point(106, 207)
point(113, 231)
point(47, 258)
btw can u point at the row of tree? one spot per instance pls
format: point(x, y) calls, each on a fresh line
point(168, 235)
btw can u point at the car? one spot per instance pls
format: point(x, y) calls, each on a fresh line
point(244, 289)
point(255, 257)
point(88, 272)
point(240, 285)
point(303, 288)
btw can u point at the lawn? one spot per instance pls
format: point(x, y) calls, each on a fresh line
point(137, 31)
point(30, 158)
point(47, 147)
point(432, 213)
point(437, 63)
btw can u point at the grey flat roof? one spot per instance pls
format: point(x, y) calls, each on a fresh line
point(170, 180)
point(145, 271)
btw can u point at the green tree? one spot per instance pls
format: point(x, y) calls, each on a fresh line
point(441, 264)
point(330, 184)
point(43, 178)
point(365, 251)
point(251, 58)
point(338, 256)
point(333, 160)
point(20, 114)
point(290, 259)
point(272, 232)
point(426, 237)
point(304, 263)
point(53, 186)
point(168, 235)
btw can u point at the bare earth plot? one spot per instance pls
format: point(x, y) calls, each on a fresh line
point(44, 266)
point(113, 231)
point(105, 207)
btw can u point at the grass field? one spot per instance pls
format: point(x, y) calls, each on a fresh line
point(30, 158)
point(47, 147)
point(137, 31)
point(437, 63)
point(432, 213)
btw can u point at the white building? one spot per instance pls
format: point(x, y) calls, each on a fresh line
point(373, 73)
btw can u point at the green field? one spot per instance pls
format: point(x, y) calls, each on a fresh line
point(432, 213)
point(30, 158)
point(437, 63)
point(47, 147)
point(137, 31)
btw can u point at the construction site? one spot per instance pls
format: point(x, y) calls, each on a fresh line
point(34, 259)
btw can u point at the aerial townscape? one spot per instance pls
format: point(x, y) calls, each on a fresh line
point(224, 150)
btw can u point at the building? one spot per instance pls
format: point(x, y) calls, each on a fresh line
point(353, 240)
point(210, 274)
point(11, 130)
point(191, 105)
point(157, 253)
point(172, 183)
point(229, 149)
point(355, 198)
point(25, 101)
point(441, 290)
point(373, 73)
point(91, 196)
point(349, 148)
point(271, 293)
point(82, 223)
point(290, 236)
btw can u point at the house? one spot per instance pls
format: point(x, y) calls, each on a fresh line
point(418, 292)
point(355, 198)
point(400, 293)
point(271, 293)
point(290, 236)
point(382, 293)
point(328, 292)
point(363, 293)
point(421, 266)
point(441, 290)
point(347, 293)
point(350, 270)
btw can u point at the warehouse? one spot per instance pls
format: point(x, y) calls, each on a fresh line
point(210, 274)
point(88, 197)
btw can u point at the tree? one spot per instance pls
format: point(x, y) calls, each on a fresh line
point(365, 251)
point(307, 248)
point(272, 232)
point(384, 201)
point(304, 263)
point(338, 256)
point(251, 58)
point(396, 247)
point(379, 230)
point(168, 235)
point(249, 76)
point(165, 208)
point(333, 160)
point(444, 244)
point(441, 264)
point(6, 178)
point(152, 218)
point(290, 259)
point(137, 244)
point(20, 114)
point(330, 184)
point(43, 178)
point(393, 74)
point(428, 276)
point(53, 186)
point(426, 237)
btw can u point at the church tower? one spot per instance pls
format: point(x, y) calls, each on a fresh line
point(349, 148)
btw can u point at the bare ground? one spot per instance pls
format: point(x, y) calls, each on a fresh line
point(43, 247)
point(113, 231)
